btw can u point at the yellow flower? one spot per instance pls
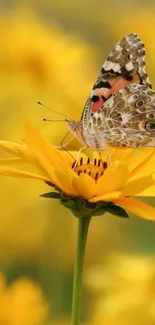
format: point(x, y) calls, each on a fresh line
point(125, 287)
point(132, 173)
point(21, 303)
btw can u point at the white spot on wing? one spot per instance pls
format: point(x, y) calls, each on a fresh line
point(129, 66)
point(118, 48)
point(108, 65)
point(116, 67)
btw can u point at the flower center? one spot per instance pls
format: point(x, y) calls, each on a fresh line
point(94, 169)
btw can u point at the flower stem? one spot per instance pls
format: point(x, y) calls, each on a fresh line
point(83, 225)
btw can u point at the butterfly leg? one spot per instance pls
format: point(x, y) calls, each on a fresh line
point(109, 155)
point(78, 155)
point(62, 146)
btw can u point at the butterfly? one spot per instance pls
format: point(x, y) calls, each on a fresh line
point(120, 110)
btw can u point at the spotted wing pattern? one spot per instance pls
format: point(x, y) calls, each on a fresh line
point(125, 65)
point(126, 119)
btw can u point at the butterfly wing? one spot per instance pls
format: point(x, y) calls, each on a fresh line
point(125, 65)
point(126, 119)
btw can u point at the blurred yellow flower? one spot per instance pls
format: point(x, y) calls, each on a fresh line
point(132, 173)
point(46, 61)
point(123, 290)
point(50, 64)
point(21, 303)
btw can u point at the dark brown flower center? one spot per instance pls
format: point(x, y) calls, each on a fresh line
point(94, 169)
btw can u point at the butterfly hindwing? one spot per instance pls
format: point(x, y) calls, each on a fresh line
point(126, 119)
point(125, 65)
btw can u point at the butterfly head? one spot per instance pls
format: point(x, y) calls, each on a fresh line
point(73, 127)
point(76, 129)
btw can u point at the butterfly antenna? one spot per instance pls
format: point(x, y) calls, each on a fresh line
point(52, 110)
point(47, 120)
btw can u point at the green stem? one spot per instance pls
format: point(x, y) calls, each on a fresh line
point(83, 225)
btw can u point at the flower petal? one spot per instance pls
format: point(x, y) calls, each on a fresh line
point(120, 153)
point(138, 158)
point(147, 165)
point(137, 207)
point(46, 166)
point(108, 197)
point(21, 174)
point(11, 147)
point(36, 143)
point(16, 149)
point(84, 185)
point(12, 161)
point(65, 181)
point(113, 179)
point(148, 191)
point(135, 184)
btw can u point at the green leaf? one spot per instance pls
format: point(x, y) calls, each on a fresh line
point(116, 210)
point(51, 195)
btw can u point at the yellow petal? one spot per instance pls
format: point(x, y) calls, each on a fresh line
point(114, 179)
point(47, 169)
point(137, 207)
point(12, 161)
point(10, 147)
point(148, 165)
point(150, 191)
point(37, 144)
point(107, 197)
point(16, 149)
point(135, 185)
point(21, 174)
point(120, 153)
point(138, 158)
point(65, 182)
point(84, 185)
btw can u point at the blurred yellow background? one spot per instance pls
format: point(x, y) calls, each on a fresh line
point(53, 51)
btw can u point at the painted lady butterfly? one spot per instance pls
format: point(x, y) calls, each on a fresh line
point(120, 110)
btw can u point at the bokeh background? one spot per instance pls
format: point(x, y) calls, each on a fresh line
point(53, 51)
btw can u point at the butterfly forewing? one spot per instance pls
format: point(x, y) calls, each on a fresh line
point(125, 65)
point(120, 110)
